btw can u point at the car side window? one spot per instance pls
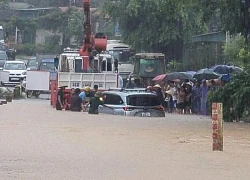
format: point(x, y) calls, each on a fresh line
point(112, 99)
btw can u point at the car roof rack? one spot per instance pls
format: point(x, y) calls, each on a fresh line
point(128, 90)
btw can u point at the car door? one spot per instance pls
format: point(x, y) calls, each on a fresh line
point(113, 101)
point(107, 98)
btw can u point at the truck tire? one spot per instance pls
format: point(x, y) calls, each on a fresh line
point(37, 94)
point(29, 94)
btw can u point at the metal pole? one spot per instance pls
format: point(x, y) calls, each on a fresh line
point(217, 126)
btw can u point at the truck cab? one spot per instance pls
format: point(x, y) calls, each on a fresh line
point(149, 65)
point(71, 61)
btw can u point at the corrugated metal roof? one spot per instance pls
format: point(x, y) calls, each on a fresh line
point(36, 9)
point(19, 5)
point(64, 9)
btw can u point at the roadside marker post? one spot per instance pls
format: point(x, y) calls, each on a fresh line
point(217, 126)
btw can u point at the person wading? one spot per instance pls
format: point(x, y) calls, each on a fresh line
point(92, 93)
point(159, 94)
point(60, 98)
point(68, 97)
point(76, 101)
point(95, 102)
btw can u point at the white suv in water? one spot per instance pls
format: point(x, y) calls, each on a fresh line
point(17, 71)
point(132, 102)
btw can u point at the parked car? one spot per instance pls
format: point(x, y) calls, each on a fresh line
point(47, 65)
point(3, 58)
point(32, 64)
point(132, 103)
point(17, 70)
point(11, 53)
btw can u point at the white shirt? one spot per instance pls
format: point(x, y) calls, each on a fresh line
point(174, 90)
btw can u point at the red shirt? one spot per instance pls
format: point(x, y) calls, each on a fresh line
point(67, 98)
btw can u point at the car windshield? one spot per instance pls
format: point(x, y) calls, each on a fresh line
point(32, 63)
point(143, 100)
point(48, 66)
point(121, 55)
point(14, 66)
point(3, 56)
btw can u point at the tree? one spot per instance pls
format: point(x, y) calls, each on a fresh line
point(4, 4)
point(234, 15)
point(68, 23)
point(160, 25)
point(232, 49)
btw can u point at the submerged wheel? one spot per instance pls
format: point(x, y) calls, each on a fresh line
point(37, 94)
point(29, 94)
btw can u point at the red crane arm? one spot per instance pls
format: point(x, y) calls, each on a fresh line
point(87, 44)
point(89, 41)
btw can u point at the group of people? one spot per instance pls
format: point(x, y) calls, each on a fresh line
point(185, 98)
point(77, 100)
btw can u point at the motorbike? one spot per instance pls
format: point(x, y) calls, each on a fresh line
point(29, 93)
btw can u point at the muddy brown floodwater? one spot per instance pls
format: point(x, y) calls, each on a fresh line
point(38, 142)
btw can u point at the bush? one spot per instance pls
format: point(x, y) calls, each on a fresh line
point(235, 97)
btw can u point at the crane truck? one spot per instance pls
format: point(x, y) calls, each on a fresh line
point(88, 65)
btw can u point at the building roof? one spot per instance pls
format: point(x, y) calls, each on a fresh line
point(64, 9)
point(150, 54)
point(35, 9)
point(210, 37)
point(18, 5)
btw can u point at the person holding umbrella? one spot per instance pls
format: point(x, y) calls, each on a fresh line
point(196, 98)
point(172, 97)
point(181, 100)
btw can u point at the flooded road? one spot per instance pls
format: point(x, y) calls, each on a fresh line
point(38, 142)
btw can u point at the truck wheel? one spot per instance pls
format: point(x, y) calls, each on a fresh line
point(37, 94)
point(29, 94)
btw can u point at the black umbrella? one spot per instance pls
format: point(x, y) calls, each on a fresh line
point(221, 69)
point(189, 75)
point(176, 75)
point(206, 74)
point(225, 69)
point(236, 69)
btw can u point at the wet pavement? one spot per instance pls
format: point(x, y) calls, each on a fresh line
point(38, 142)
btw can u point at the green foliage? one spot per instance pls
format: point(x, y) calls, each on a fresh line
point(28, 25)
point(232, 49)
point(53, 40)
point(173, 66)
point(31, 49)
point(156, 24)
point(4, 4)
point(237, 51)
point(68, 23)
point(235, 97)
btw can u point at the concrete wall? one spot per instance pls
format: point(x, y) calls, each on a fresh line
point(41, 34)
